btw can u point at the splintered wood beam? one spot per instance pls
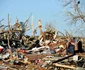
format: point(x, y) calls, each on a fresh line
point(64, 66)
point(8, 32)
point(28, 19)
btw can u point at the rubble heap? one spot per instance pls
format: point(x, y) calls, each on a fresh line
point(49, 51)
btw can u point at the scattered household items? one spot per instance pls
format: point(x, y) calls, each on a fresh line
point(48, 51)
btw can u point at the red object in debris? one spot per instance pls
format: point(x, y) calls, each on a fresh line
point(1, 49)
point(37, 61)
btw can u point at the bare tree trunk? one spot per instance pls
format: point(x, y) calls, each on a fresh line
point(40, 27)
point(8, 32)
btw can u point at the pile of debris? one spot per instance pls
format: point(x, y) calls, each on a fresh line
point(45, 52)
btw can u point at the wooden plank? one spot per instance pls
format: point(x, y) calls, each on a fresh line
point(54, 59)
point(64, 66)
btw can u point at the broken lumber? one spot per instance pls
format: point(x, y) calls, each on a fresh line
point(64, 66)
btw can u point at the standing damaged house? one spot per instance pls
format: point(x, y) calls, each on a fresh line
point(48, 51)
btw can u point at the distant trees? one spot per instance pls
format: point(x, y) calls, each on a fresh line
point(50, 27)
point(75, 14)
point(24, 27)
